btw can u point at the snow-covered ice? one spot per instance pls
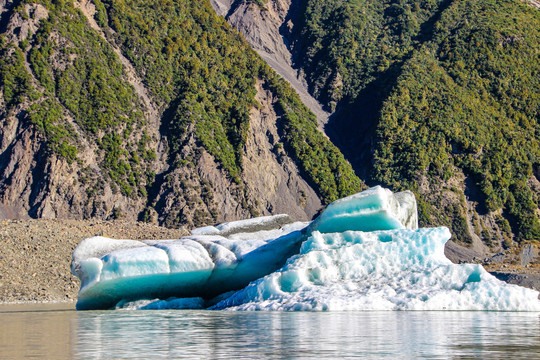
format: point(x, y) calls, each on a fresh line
point(364, 252)
point(379, 270)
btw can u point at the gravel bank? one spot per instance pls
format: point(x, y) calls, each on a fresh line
point(35, 255)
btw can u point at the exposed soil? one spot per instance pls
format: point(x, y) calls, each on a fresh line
point(35, 255)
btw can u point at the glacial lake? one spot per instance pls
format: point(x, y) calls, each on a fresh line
point(60, 332)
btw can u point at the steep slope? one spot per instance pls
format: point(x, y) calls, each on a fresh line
point(157, 112)
point(439, 97)
point(267, 27)
point(64, 121)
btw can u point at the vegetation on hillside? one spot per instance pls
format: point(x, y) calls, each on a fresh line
point(461, 93)
point(198, 70)
point(346, 44)
point(204, 73)
point(470, 99)
point(76, 80)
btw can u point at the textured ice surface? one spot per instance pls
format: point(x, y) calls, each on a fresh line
point(363, 252)
point(245, 226)
point(193, 266)
point(380, 270)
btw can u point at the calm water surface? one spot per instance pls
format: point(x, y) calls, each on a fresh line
point(59, 332)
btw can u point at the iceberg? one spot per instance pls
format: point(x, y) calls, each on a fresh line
point(370, 210)
point(380, 270)
point(364, 252)
point(112, 270)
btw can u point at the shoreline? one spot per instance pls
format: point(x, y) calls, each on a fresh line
point(39, 302)
point(35, 257)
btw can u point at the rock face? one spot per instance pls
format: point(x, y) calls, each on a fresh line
point(222, 7)
point(36, 182)
point(271, 181)
point(271, 176)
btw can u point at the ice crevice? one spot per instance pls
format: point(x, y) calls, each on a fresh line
point(364, 252)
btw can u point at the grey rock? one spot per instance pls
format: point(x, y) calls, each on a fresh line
point(531, 280)
point(528, 254)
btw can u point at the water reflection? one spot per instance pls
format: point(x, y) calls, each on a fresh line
point(36, 331)
point(51, 333)
point(227, 335)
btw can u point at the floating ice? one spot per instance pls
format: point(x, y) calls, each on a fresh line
point(380, 270)
point(193, 266)
point(363, 252)
point(370, 210)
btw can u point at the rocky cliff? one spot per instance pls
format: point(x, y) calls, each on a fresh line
point(165, 114)
point(99, 122)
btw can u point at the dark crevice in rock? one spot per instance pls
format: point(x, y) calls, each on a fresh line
point(156, 198)
point(7, 11)
point(352, 127)
point(291, 36)
point(427, 28)
point(474, 193)
point(39, 182)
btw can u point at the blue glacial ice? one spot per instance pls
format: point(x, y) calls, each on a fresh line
point(194, 266)
point(364, 252)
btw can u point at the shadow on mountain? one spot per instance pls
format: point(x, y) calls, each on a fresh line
point(352, 128)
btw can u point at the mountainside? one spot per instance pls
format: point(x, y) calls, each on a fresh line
point(152, 110)
point(440, 97)
point(161, 111)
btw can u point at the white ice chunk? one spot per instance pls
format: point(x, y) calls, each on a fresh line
point(89, 270)
point(374, 209)
point(264, 236)
point(203, 265)
point(408, 213)
point(245, 226)
point(364, 252)
point(134, 262)
point(380, 270)
point(96, 247)
point(185, 255)
point(207, 230)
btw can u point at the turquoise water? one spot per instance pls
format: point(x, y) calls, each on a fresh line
point(46, 332)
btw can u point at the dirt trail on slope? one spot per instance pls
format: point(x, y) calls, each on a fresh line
point(262, 28)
